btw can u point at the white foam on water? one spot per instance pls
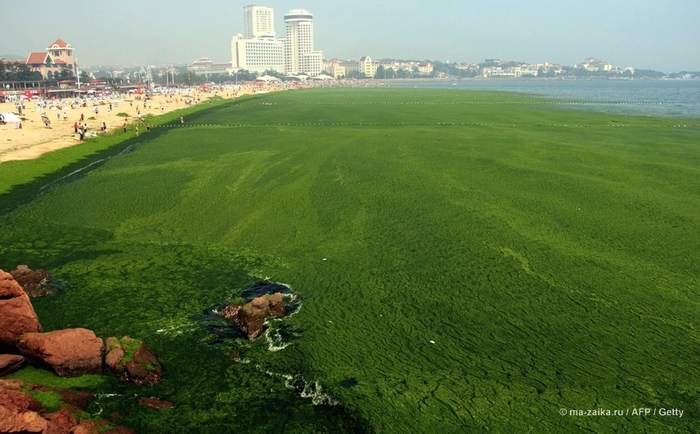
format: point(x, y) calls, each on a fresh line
point(311, 390)
point(274, 341)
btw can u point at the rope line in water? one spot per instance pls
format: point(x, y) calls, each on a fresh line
point(462, 103)
point(401, 124)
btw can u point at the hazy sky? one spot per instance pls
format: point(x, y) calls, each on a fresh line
point(649, 34)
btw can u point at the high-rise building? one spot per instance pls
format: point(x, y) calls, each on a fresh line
point(299, 54)
point(258, 22)
point(257, 49)
point(257, 54)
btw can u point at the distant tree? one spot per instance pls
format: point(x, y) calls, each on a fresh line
point(66, 73)
point(648, 73)
point(381, 72)
point(84, 77)
point(187, 78)
point(244, 75)
point(402, 73)
point(355, 74)
point(511, 64)
point(548, 73)
point(273, 73)
point(20, 72)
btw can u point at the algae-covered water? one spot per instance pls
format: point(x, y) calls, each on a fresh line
point(465, 262)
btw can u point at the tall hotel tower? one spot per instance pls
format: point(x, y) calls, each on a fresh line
point(257, 49)
point(258, 22)
point(299, 54)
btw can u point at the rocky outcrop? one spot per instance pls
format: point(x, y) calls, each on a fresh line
point(131, 360)
point(10, 363)
point(17, 315)
point(21, 413)
point(36, 283)
point(250, 317)
point(68, 352)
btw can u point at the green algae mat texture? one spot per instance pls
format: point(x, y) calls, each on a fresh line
point(465, 262)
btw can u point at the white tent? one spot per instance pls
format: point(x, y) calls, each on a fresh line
point(300, 77)
point(11, 118)
point(267, 78)
point(322, 77)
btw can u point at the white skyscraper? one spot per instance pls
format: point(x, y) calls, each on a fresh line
point(257, 54)
point(258, 22)
point(257, 49)
point(299, 54)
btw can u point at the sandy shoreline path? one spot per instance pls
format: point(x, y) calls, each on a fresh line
point(35, 139)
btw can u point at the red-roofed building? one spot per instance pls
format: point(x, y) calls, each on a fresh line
point(52, 62)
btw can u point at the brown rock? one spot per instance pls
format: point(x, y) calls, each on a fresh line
point(15, 400)
point(276, 305)
point(75, 398)
point(154, 403)
point(61, 421)
point(11, 384)
point(250, 317)
point(34, 282)
point(68, 352)
point(133, 361)
point(10, 363)
point(17, 315)
point(20, 413)
point(25, 422)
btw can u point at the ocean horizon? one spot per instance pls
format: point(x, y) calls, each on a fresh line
point(665, 98)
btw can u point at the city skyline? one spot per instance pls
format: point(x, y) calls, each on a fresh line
point(642, 34)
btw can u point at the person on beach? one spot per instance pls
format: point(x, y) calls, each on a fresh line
point(148, 128)
point(75, 128)
point(82, 117)
point(124, 125)
point(182, 120)
point(136, 130)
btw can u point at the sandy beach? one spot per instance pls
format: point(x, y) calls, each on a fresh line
point(35, 139)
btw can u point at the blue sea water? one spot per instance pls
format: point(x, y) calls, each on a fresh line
point(666, 98)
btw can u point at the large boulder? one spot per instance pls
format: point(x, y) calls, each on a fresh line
point(131, 360)
point(10, 363)
point(36, 283)
point(68, 352)
point(250, 317)
point(17, 315)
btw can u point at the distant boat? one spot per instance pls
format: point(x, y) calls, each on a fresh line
point(454, 83)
